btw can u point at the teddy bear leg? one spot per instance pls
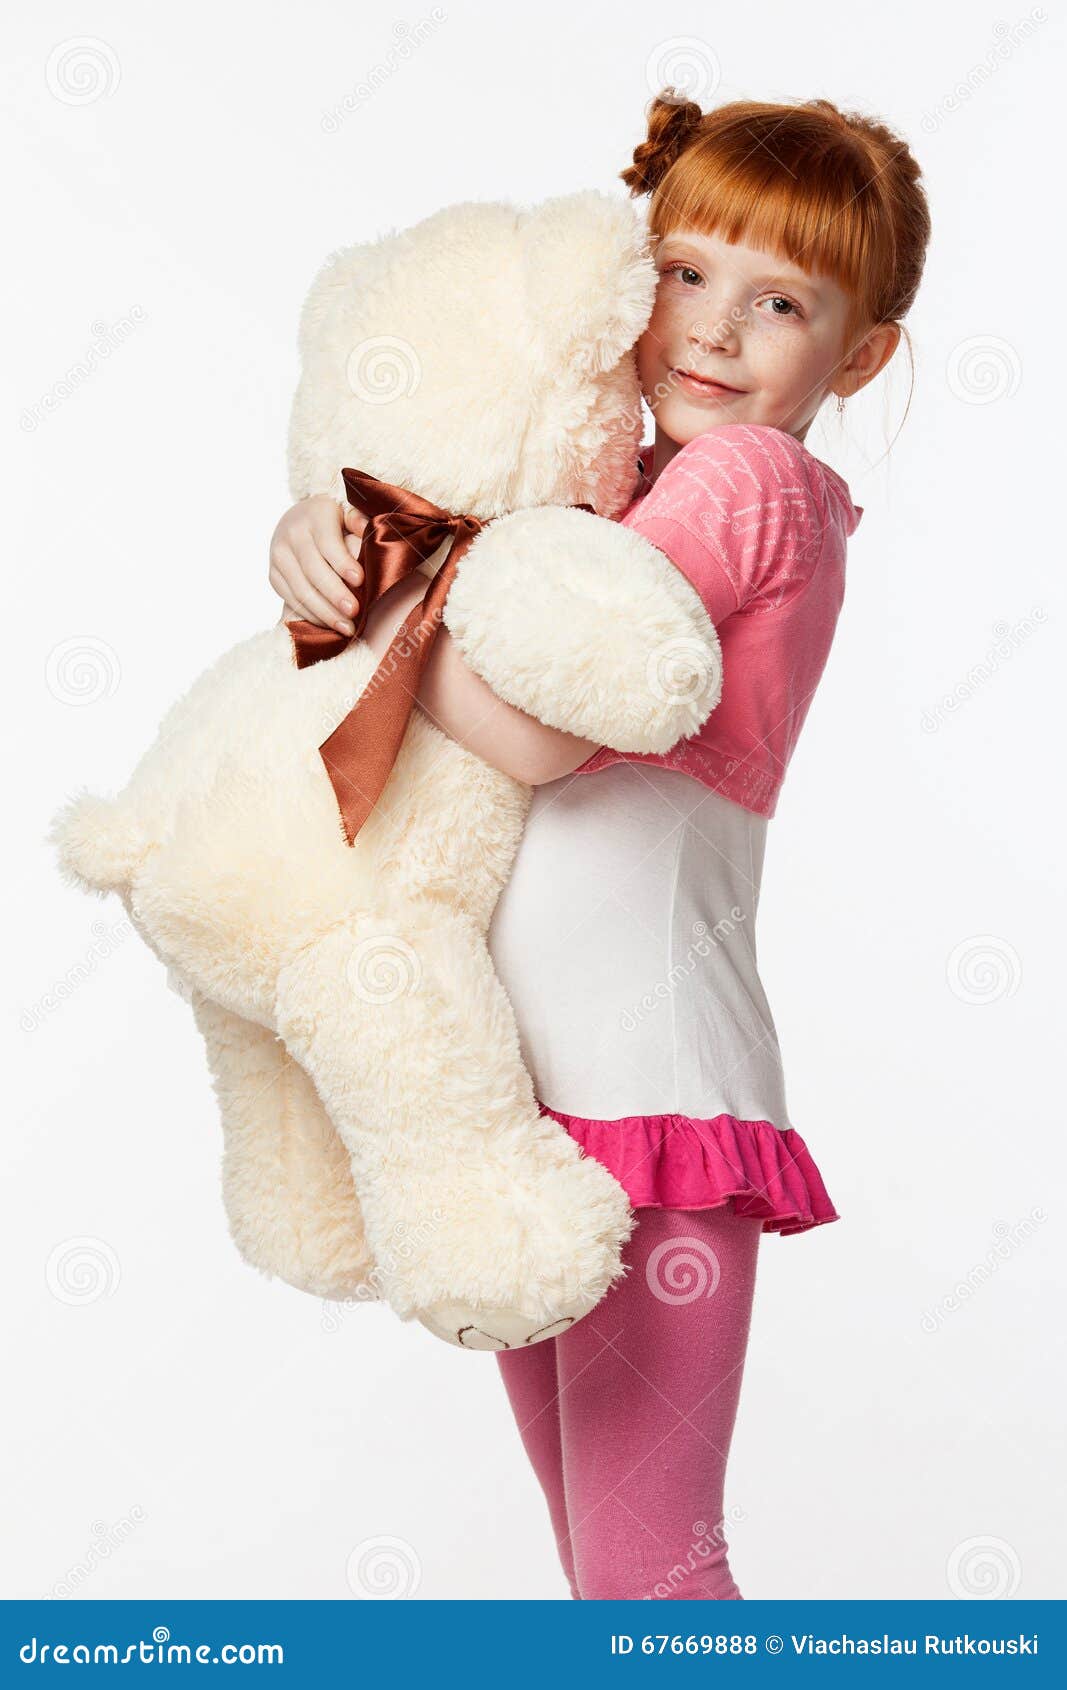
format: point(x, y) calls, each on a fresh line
point(286, 1176)
point(485, 1219)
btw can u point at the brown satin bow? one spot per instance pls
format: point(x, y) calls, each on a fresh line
point(403, 531)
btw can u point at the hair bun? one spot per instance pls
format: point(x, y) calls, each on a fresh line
point(673, 122)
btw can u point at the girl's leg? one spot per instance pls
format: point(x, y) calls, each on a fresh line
point(648, 1389)
point(530, 1379)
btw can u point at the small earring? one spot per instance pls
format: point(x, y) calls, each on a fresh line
point(840, 403)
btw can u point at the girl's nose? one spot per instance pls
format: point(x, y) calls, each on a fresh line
point(715, 336)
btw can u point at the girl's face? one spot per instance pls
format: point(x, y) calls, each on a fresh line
point(747, 319)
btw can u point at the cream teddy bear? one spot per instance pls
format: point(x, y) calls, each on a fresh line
point(381, 1135)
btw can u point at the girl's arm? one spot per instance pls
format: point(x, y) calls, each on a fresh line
point(313, 556)
point(460, 703)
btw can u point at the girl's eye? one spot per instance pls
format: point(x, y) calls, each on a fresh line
point(681, 270)
point(689, 277)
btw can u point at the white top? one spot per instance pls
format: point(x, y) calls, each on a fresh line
point(625, 939)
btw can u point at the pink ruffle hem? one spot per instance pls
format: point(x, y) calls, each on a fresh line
point(682, 1162)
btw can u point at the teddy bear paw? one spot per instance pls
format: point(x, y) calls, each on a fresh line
point(492, 1329)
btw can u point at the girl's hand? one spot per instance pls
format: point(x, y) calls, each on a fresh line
point(314, 562)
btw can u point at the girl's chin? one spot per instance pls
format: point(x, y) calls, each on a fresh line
point(683, 419)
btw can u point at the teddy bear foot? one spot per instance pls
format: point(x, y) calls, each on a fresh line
point(502, 1253)
point(492, 1329)
point(485, 1219)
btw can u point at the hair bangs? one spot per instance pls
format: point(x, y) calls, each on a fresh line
point(805, 203)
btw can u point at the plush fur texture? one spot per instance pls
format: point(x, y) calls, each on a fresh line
point(632, 649)
point(381, 1134)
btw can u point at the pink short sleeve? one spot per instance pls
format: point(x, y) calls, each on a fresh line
point(734, 511)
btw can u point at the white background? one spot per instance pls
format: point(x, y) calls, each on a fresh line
point(910, 936)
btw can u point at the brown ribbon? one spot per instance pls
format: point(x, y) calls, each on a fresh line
point(402, 532)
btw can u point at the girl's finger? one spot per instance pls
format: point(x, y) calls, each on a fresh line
point(295, 610)
point(323, 581)
point(332, 544)
point(304, 596)
point(283, 575)
point(354, 520)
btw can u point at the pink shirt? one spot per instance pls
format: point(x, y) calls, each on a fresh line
point(759, 526)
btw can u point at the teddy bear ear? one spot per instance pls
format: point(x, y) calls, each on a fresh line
point(590, 277)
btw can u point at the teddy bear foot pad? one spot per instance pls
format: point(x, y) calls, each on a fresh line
point(491, 1329)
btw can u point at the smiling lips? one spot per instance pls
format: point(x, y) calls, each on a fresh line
point(708, 383)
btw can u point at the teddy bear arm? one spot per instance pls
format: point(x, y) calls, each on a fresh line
point(587, 626)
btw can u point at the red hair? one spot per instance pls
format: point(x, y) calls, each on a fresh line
point(836, 193)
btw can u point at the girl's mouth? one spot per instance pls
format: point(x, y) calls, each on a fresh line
point(705, 387)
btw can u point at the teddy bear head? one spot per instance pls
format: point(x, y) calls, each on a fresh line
point(482, 358)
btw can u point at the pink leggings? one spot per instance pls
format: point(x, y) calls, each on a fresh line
point(627, 1417)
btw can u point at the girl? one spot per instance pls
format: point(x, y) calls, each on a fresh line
point(789, 241)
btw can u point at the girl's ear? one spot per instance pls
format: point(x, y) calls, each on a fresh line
point(866, 360)
point(590, 278)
